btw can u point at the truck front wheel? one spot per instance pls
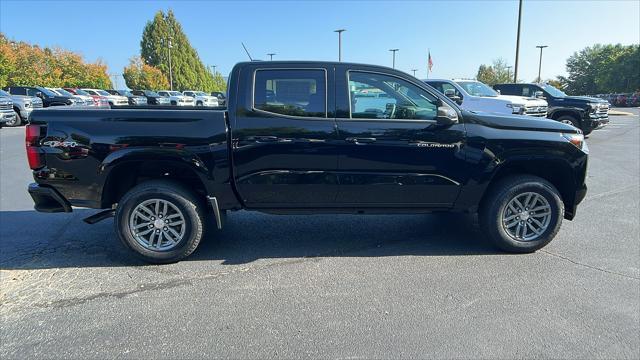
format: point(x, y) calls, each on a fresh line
point(522, 213)
point(160, 220)
point(567, 119)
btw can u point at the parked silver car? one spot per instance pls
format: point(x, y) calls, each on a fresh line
point(22, 105)
point(7, 114)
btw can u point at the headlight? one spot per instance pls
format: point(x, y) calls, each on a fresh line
point(27, 105)
point(517, 109)
point(575, 139)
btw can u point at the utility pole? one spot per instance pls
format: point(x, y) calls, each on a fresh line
point(394, 56)
point(170, 68)
point(515, 73)
point(540, 62)
point(271, 56)
point(509, 71)
point(339, 31)
point(414, 72)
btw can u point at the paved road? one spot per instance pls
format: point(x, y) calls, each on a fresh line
point(329, 286)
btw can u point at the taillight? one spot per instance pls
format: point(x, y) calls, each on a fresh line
point(32, 135)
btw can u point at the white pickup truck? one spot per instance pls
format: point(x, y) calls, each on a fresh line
point(201, 98)
point(176, 98)
point(476, 96)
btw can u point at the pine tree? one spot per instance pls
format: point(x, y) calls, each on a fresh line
point(189, 73)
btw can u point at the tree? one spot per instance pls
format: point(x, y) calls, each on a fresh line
point(188, 71)
point(603, 69)
point(25, 64)
point(139, 75)
point(496, 73)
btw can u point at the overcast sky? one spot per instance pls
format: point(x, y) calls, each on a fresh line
point(461, 35)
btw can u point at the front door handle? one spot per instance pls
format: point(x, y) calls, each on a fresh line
point(263, 138)
point(359, 140)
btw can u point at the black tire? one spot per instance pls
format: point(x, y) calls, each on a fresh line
point(498, 198)
point(199, 103)
point(174, 103)
point(186, 201)
point(575, 122)
point(16, 122)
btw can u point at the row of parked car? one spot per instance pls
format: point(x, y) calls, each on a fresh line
point(17, 102)
point(621, 100)
point(532, 99)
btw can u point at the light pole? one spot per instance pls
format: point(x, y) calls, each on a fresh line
point(271, 56)
point(394, 56)
point(540, 63)
point(509, 71)
point(213, 67)
point(414, 72)
point(339, 31)
point(515, 73)
point(169, 46)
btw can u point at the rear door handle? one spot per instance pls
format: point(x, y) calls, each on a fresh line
point(359, 140)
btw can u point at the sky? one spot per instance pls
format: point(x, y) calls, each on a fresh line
point(460, 35)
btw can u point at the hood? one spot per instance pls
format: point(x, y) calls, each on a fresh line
point(582, 99)
point(519, 122)
point(530, 101)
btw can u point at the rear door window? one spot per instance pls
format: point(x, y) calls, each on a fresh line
point(292, 92)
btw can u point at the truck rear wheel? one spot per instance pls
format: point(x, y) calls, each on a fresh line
point(160, 220)
point(522, 213)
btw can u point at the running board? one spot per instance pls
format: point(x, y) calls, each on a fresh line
point(99, 216)
point(216, 211)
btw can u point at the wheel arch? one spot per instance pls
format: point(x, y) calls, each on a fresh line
point(124, 169)
point(556, 171)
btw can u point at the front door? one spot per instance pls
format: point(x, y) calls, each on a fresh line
point(284, 138)
point(392, 153)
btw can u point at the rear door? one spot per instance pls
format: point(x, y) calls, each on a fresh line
point(284, 134)
point(392, 153)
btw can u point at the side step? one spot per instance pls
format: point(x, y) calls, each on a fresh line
point(99, 216)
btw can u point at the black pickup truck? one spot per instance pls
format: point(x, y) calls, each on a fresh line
point(585, 113)
point(306, 138)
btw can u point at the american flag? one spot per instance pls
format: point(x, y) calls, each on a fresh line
point(430, 62)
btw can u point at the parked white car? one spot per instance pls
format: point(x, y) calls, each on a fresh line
point(201, 98)
point(114, 100)
point(474, 95)
point(176, 98)
point(22, 105)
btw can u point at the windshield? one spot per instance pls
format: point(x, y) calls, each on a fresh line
point(552, 91)
point(151, 93)
point(476, 88)
point(47, 92)
point(201, 93)
point(174, 93)
point(4, 93)
point(102, 92)
point(81, 92)
point(63, 92)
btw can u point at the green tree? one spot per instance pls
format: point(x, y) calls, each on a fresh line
point(25, 64)
point(139, 75)
point(189, 73)
point(496, 73)
point(603, 69)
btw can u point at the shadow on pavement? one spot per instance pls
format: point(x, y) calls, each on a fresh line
point(32, 240)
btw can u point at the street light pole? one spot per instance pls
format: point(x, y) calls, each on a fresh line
point(509, 71)
point(540, 62)
point(414, 72)
point(515, 73)
point(271, 56)
point(339, 31)
point(170, 68)
point(394, 56)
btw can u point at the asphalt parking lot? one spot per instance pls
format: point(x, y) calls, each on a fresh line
point(328, 286)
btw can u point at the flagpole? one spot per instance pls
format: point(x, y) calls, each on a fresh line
point(428, 59)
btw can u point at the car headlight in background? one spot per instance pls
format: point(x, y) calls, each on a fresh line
point(516, 108)
point(27, 105)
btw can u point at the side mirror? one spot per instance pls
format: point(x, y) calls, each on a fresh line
point(451, 94)
point(538, 95)
point(498, 91)
point(446, 116)
point(40, 95)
